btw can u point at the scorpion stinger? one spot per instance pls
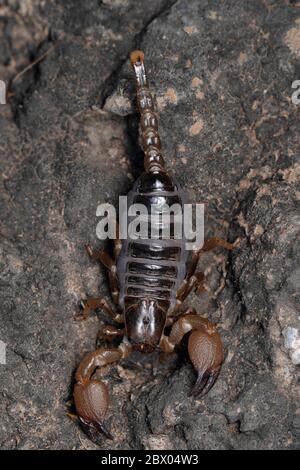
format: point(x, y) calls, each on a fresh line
point(153, 161)
point(149, 280)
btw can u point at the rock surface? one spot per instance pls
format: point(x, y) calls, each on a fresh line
point(222, 73)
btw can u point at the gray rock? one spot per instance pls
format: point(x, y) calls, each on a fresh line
point(222, 73)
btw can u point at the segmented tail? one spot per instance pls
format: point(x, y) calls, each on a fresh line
point(153, 161)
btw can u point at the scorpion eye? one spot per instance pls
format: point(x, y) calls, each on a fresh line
point(146, 320)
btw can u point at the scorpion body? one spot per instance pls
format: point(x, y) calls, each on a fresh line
point(151, 270)
point(149, 279)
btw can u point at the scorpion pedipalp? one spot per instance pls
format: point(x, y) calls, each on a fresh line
point(204, 347)
point(91, 401)
point(91, 396)
point(206, 354)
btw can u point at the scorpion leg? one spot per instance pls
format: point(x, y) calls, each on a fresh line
point(109, 332)
point(200, 288)
point(204, 347)
point(208, 245)
point(214, 242)
point(194, 281)
point(90, 393)
point(92, 304)
point(110, 264)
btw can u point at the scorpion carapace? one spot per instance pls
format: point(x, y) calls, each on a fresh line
point(149, 280)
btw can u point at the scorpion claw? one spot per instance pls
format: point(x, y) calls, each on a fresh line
point(206, 354)
point(93, 429)
point(91, 402)
point(205, 382)
point(91, 394)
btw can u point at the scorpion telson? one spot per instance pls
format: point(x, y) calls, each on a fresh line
point(149, 280)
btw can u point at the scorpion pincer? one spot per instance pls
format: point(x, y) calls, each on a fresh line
point(149, 280)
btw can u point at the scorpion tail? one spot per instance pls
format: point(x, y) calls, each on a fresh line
point(153, 161)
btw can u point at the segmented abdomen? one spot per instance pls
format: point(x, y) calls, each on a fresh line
point(152, 268)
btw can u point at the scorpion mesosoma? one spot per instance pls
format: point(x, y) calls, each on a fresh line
point(149, 281)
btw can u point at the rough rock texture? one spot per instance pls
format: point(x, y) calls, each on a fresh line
point(222, 72)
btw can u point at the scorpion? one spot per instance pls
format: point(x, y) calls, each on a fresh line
point(149, 280)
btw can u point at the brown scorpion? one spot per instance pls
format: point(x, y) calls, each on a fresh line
point(149, 280)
